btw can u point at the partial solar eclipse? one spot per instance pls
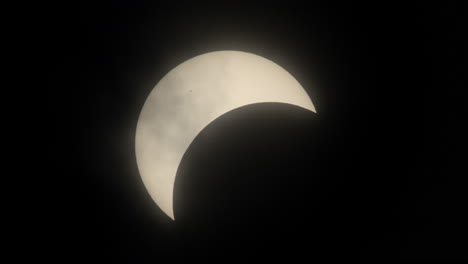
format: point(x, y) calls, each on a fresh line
point(191, 96)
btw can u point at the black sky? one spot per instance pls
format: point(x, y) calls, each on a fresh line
point(369, 179)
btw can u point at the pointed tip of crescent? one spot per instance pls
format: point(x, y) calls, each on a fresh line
point(311, 107)
point(170, 214)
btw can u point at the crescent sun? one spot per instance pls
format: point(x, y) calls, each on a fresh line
point(194, 94)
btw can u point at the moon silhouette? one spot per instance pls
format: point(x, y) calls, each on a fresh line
point(191, 96)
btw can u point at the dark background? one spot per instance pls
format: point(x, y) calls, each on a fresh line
point(372, 177)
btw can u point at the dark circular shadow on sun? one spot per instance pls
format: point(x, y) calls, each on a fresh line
point(269, 178)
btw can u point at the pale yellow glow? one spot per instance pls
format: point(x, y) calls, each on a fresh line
point(194, 94)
